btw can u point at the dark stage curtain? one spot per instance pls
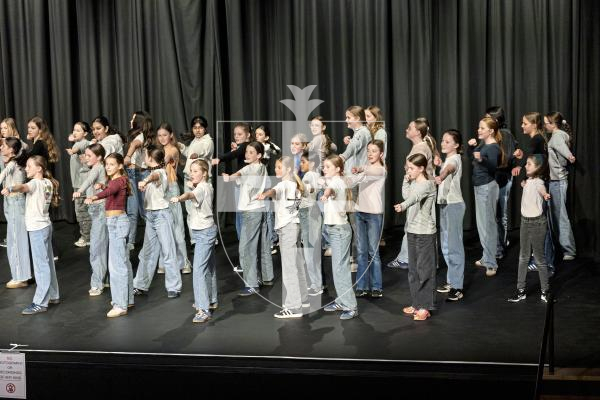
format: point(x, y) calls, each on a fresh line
point(231, 60)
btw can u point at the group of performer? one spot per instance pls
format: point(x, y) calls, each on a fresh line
point(306, 202)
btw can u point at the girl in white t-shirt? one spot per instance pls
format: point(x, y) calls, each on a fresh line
point(452, 212)
point(533, 226)
point(287, 194)
point(204, 234)
point(252, 180)
point(42, 191)
point(158, 235)
point(336, 197)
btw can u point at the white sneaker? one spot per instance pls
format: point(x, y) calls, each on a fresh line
point(187, 269)
point(287, 313)
point(160, 269)
point(353, 267)
point(116, 312)
point(81, 243)
point(568, 257)
point(327, 252)
point(95, 291)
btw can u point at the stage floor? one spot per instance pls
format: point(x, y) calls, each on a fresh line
point(481, 328)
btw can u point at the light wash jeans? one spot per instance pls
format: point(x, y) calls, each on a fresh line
point(451, 240)
point(310, 229)
point(560, 218)
point(119, 266)
point(17, 242)
point(341, 236)
point(43, 266)
point(502, 217)
point(368, 234)
point(205, 272)
point(486, 201)
point(158, 238)
point(293, 273)
point(135, 202)
point(254, 228)
point(272, 236)
point(325, 235)
point(98, 245)
point(178, 227)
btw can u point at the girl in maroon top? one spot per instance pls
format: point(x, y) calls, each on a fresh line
point(119, 267)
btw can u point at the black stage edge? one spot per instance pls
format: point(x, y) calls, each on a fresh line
point(481, 346)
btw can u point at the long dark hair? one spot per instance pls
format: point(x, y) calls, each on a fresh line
point(102, 120)
point(15, 144)
point(41, 162)
point(561, 123)
point(47, 137)
point(142, 123)
point(118, 157)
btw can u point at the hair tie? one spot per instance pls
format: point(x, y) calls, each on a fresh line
point(564, 122)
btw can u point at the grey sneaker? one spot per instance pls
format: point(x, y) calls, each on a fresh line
point(34, 309)
point(201, 317)
point(348, 314)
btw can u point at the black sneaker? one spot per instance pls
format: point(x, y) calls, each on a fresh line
point(376, 294)
point(455, 295)
point(139, 292)
point(362, 293)
point(519, 296)
point(444, 288)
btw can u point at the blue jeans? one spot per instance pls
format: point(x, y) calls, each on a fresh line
point(205, 273)
point(43, 266)
point(310, 229)
point(178, 227)
point(293, 274)
point(119, 266)
point(368, 234)
point(451, 240)
point(98, 244)
point(560, 218)
point(158, 238)
point(502, 217)
point(341, 236)
point(17, 243)
point(254, 228)
point(486, 201)
point(272, 235)
point(238, 214)
point(135, 202)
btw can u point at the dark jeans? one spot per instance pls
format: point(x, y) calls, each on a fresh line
point(421, 270)
point(533, 234)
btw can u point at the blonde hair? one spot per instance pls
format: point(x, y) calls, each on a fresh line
point(422, 125)
point(378, 124)
point(203, 165)
point(492, 124)
point(12, 127)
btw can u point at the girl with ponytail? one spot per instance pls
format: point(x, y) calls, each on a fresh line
point(287, 194)
point(486, 156)
point(42, 192)
point(158, 236)
point(559, 155)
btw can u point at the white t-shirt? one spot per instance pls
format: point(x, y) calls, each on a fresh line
point(532, 200)
point(137, 157)
point(335, 206)
point(287, 201)
point(200, 215)
point(252, 183)
point(112, 144)
point(37, 204)
point(449, 191)
point(154, 197)
point(310, 180)
point(203, 148)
